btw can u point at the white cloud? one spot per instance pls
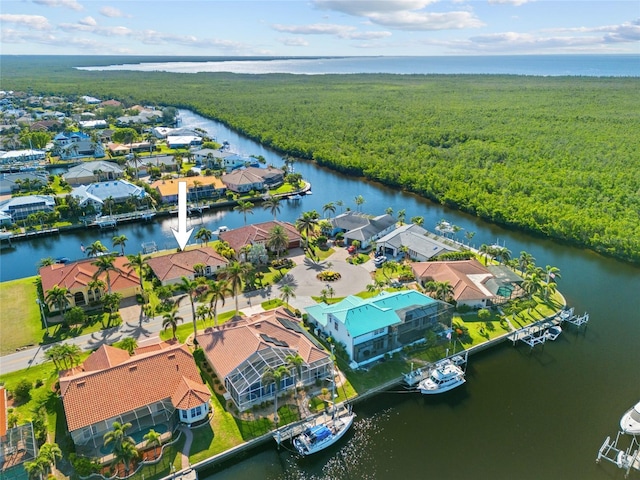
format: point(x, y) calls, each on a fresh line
point(112, 12)
point(90, 21)
point(515, 3)
point(90, 25)
point(403, 14)
point(36, 22)
point(341, 31)
point(72, 4)
point(294, 42)
point(625, 32)
point(152, 37)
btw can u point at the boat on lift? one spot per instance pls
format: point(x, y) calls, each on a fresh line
point(630, 421)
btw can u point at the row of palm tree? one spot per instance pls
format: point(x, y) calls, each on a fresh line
point(44, 462)
point(275, 376)
point(124, 447)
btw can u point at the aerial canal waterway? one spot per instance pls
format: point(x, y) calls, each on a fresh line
point(522, 414)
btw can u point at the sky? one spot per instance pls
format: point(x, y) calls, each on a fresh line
point(318, 27)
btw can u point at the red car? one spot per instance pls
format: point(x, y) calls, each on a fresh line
point(351, 249)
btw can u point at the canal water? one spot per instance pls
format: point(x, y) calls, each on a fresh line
point(540, 414)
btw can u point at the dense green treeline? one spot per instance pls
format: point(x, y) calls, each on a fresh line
point(555, 155)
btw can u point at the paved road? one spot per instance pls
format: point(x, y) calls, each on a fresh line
point(354, 279)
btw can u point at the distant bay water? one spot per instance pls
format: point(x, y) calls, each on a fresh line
point(534, 65)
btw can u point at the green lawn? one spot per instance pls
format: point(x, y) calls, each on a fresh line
point(20, 323)
point(186, 328)
point(324, 254)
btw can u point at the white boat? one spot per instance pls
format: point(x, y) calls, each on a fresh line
point(444, 377)
point(414, 377)
point(630, 421)
point(553, 333)
point(315, 438)
point(296, 196)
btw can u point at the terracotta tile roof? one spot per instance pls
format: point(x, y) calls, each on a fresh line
point(230, 344)
point(77, 275)
point(177, 265)
point(258, 233)
point(91, 397)
point(170, 187)
point(465, 276)
point(190, 394)
point(105, 357)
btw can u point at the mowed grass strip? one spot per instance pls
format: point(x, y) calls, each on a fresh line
point(20, 323)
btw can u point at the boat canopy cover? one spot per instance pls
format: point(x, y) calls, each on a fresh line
point(318, 433)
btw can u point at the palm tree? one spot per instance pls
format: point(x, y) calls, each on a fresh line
point(532, 284)
point(525, 260)
point(37, 468)
point(401, 215)
point(105, 265)
point(244, 207)
point(329, 207)
point(390, 266)
point(109, 203)
point(50, 452)
point(275, 376)
point(295, 363)
point(278, 239)
point(417, 221)
point(553, 273)
point(171, 319)
point(287, 293)
point(45, 262)
point(119, 240)
point(484, 251)
point(129, 344)
point(389, 211)
point(58, 296)
point(204, 235)
point(152, 439)
point(218, 291)
point(118, 436)
point(139, 263)
point(126, 454)
point(469, 236)
point(234, 273)
point(192, 289)
point(273, 205)
point(96, 248)
point(340, 203)
point(359, 201)
point(444, 291)
point(503, 254)
point(111, 304)
point(307, 223)
point(202, 312)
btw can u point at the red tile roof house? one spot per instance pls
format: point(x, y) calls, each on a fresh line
point(239, 351)
point(158, 387)
point(473, 284)
point(172, 267)
point(77, 276)
point(259, 233)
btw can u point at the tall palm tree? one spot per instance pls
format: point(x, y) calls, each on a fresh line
point(108, 204)
point(329, 207)
point(444, 291)
point(245, 208)
point(340, 203)
point(50, 452)
point(119, 240)
point(58, 296)
point(202, 312)
point(45, 262)
point(389, 211)
point(553, 274)
point(275, 376)
point(171, 320)
point(295, 363)
point(278, 239)
point(218, 291)
point(192, 289)
point(126, 454)
point(139, 263)
point(484, 251)
point(96, 248)
point(118, 436)
point(359, 202)
point(234, 273)
point(417, 221)
point(36, 468)
point(129, 344)
point(273, 205)
point(105, 265)
point(525, 260)
point(287, 293)
point(204, 235)
point(307, 223)
point(152, 439)
point(401, 216)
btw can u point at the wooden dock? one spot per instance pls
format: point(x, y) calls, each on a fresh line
point(111, 221)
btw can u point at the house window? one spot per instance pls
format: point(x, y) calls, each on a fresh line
point(378, 344)
point(335, 325)
point(184, 414)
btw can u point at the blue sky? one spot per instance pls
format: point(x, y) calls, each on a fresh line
point(319, 27)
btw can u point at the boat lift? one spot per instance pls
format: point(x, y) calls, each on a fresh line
point(626, 459)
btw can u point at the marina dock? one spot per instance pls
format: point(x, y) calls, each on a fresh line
point(626, 458)
point(111, 221)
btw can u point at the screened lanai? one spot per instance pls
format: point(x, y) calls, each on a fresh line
point(89, 440)
point(245, 385)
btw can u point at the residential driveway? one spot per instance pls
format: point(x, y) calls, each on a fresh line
point(354, 278)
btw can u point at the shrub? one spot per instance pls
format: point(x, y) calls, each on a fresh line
point(464, 308)
point(328, 276)
point(39, 383)
point(22, 392)
point(484, 314)
point(84, 466)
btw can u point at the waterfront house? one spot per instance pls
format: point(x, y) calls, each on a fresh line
point(258, 233)
point(96, 193)
point(240, 351)
point(170, 268)
point(271, 176)
point(155, 388)
point(223, 159)
point(198, 188)
point(420, 247)
point(93, 124)
point(371, 328)
point(21, 156)
point(474, 285)
point(165, 163)
point(78, 276)
point(90, 172)
point(164, 132)
point(364, 228)
point(19, 208)
point(243, 181)
point(13, 182)
point(183, 141)
point(125, 148)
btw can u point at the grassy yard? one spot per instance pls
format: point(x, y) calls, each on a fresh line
point(186, 328)
point(20, 323)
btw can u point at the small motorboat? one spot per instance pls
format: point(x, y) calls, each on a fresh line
point(444, 377)
point(630, 421)
point(553, 332)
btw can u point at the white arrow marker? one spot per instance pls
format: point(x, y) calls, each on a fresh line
point(182, 235)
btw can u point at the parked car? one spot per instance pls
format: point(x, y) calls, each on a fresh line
point(351, 249)
point(378, 261)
